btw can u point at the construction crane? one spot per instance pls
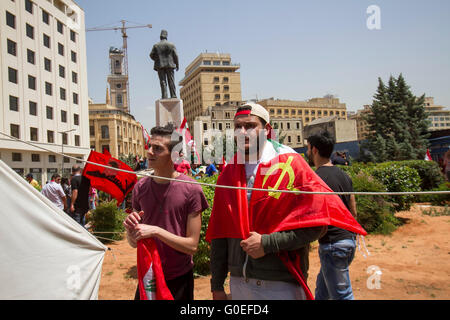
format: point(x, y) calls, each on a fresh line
point(123, 29)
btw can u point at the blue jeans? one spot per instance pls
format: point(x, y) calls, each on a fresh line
point(333, 280)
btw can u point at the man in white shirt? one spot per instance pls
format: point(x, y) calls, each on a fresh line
point(54, 192)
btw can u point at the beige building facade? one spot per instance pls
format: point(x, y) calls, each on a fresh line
point(362, 126)
point(306, 111)
point(111, 126)
point(210, 80)
point(340, 129)
point(43, 87)
point(439, 116)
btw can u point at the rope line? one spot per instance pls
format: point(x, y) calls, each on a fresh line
point(232, 187)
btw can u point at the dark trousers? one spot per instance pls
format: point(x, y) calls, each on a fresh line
point(167, 77)
point(182, 287)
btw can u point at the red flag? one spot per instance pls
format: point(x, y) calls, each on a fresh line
point(270, 211)
point(117, 183)
point(152, 285)
point(428, 156)
point(146, 137)
point(184, 131)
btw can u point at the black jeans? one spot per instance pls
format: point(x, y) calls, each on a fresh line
point(182, 287)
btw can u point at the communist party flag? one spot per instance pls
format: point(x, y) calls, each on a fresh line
point(152, 285)
point(268, 211)
point(116, 183)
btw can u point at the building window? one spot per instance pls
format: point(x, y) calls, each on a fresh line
point(51, 158)
point(45, 17)
point(30, 56)
point(73, 56)
point(279, 111)
point(46, 40)
point(105, 147)
point(207, 62)
point(62, 94)
point(105, 132)
point(205, 126)
point(59, 26)
point(62, 71)
point(216, 88)
point(92, 131)
point(216, 79)
point(226, 88)
point(217, 97)
point(66, 160)
point(47, 64)
point(13, 103)
point(227, 115)
point(64, 138)
point(29, 31)
point(33, 108)
point(31, 82)
point(76, 119)
point(14, 130)
point(228, 125)
point(216, 63)
point(16, 157)
point(50, 136)
point(289, 139)
point(49, 111)
point(12, 47)
point(75, 98)
point(33, 134)
point(12, 75)
point(29, 6)
point(10, 20)
point(74, 77)
point(73, 36)
point(119, 100)
point(225, 79)
point(35, 157)
point(60, 48)
point(220, 126)
point(77, 140)
point(63, 116)
point(227, 96)
point(299, 139)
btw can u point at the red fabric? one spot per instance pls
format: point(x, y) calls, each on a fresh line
point(146, 137)
point(231, 217)
point(243, 112)
point(428, 156)
point(148, 257)
point(116, 183)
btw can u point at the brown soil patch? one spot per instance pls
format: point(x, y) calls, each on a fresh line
point(414, 261)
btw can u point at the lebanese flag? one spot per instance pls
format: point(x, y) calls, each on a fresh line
point(270, 212)
point(116, 183)
point(428, 156)
point(146, 137)
point(190, 143)
point(152, 285)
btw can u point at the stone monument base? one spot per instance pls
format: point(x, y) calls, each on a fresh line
point(169, 111)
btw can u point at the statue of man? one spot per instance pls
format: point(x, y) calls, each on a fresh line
point(166, 59)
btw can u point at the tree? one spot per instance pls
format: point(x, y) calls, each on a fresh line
point(399, 123)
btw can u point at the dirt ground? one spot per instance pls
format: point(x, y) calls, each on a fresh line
point(414, 263)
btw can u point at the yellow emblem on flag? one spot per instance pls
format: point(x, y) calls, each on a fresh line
point(286, 168)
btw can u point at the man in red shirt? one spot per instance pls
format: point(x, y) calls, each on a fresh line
point(169, 212)
point(181, 165)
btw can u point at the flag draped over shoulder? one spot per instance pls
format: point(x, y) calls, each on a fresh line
point(116, 183)
point(152, 285)
point(269, 211)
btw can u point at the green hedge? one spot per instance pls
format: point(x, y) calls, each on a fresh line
point(201, 257)
point(108, 218)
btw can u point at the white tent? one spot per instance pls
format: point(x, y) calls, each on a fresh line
point(44, 253)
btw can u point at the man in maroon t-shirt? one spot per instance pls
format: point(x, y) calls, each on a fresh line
point(169, 212)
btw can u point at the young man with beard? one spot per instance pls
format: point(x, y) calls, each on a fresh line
point(169, 212)
point(256, 270)
point(337, 246)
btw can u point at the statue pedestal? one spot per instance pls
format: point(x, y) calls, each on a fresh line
point(169, 111)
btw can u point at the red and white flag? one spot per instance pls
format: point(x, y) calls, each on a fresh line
point(428, 156)
point(152, 285)
point(146, 137)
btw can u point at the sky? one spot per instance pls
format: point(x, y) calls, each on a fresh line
point(286, 49)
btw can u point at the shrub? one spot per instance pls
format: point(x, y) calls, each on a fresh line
point(437, 199)
point(398, 178)
point(108, 218)
point(375, 213)
point(429, 172)
point(202, 256)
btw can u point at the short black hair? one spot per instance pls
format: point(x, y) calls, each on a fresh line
point(55, 176)
point(246, 108)
point(167, 131)
point(323, 142)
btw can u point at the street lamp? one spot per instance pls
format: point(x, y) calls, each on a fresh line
point(62, 148)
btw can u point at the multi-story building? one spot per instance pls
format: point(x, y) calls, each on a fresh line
point(111, 127)
point(210, 80)
point(362, 126)
point(438, 115)
point(43, 87)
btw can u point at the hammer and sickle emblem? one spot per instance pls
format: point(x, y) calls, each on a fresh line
point(286, 168)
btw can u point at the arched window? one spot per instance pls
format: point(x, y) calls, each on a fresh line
point(119, 100)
